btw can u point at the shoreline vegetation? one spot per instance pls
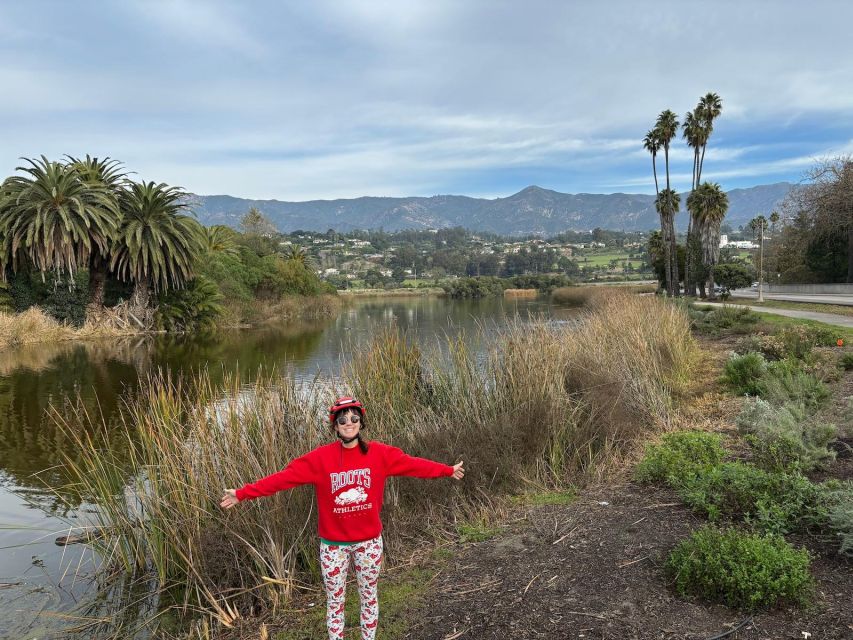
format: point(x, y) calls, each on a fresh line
point(86, 252)
point(34, 326)
point(574, 402)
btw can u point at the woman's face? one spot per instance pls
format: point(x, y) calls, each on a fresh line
point(348, 423)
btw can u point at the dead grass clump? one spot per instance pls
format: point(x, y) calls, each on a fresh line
point(33, 325)
point(291, 307)
point(574, 296)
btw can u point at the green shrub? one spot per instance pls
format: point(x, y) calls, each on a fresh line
point(483, 287)
point(846, 361)
point(841, 515)
point(745, 374)
point(772, 502)
point(193, 308)
point(783, 438)
point(725, 319)
point(771, 347)
point(678, 455)
point(787, 381)
point(822, 365)
point(542, 283)
point(799, 340)
point(741, 570)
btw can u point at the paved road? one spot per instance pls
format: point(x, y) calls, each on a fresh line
point(828, 318)
point(820, 298)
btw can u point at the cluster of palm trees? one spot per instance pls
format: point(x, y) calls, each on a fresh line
point(707, 203)
point(86, 213)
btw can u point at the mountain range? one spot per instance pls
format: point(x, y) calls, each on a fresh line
point(533, 210)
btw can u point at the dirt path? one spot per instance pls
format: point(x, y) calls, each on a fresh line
point(593, 569)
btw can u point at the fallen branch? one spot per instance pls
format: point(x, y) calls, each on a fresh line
point(530, 583)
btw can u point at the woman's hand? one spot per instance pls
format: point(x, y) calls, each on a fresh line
point(458, 471)
point(229, 499)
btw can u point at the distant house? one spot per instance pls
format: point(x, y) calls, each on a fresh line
point(331, 272)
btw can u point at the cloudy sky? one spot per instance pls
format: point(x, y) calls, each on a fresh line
point(342, 98)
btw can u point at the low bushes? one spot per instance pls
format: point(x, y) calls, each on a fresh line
point(725, 319)
point(784, 438)
point(772, 502)
point(742, 570)
point(679, 455)
point(841, 517)
point(745, 374)
point(846, 361)
point(780, 382)
point(482, 287)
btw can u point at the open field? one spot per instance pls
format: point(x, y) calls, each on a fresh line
point(603, 259)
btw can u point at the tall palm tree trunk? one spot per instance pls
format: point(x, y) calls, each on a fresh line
point(97, 286)
point(664, 227)
point(672, 254)
point(140, 304)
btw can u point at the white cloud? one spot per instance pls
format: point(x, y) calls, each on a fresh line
point(314, 99)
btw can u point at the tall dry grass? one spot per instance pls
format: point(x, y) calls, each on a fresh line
point(290, 307)
point(583, 294)
point(548, 404)
point(35, 326)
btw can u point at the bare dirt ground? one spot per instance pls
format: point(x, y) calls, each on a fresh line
point(594, 569)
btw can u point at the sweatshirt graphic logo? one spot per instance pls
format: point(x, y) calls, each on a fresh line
point(351, 496)
point(352, 478)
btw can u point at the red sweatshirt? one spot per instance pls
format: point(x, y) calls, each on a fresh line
point(350, 485)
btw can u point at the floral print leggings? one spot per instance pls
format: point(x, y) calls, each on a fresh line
point(334, 562)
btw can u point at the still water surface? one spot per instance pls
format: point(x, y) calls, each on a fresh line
point(41, 585)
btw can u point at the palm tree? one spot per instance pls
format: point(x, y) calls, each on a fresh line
point(710, 107)
point(692, 131)
point(104, 174)
point(651, 143)
point(156, 245)
point(667, 205)
point(666, 129)
point(711, 204)
point(219, 239)
point(53, 220)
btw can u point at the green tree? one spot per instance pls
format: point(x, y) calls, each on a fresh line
point(666, 128)
point(733, 275)
point(710, 203)
point(667, 204)
point(156, 244)
point(219, 239)
point(52, 219)
point(697, 128)
point(109, 175)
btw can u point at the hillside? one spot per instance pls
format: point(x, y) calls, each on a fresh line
point(532, 210)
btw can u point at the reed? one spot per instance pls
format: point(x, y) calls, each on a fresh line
point(33, 325)
point(581, 295)
point(549, 404)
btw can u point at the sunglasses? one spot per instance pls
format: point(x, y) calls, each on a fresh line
point(342, 420)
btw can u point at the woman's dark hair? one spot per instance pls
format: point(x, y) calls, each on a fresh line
point(362, 443)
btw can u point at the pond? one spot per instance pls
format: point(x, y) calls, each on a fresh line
point(44, 588)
